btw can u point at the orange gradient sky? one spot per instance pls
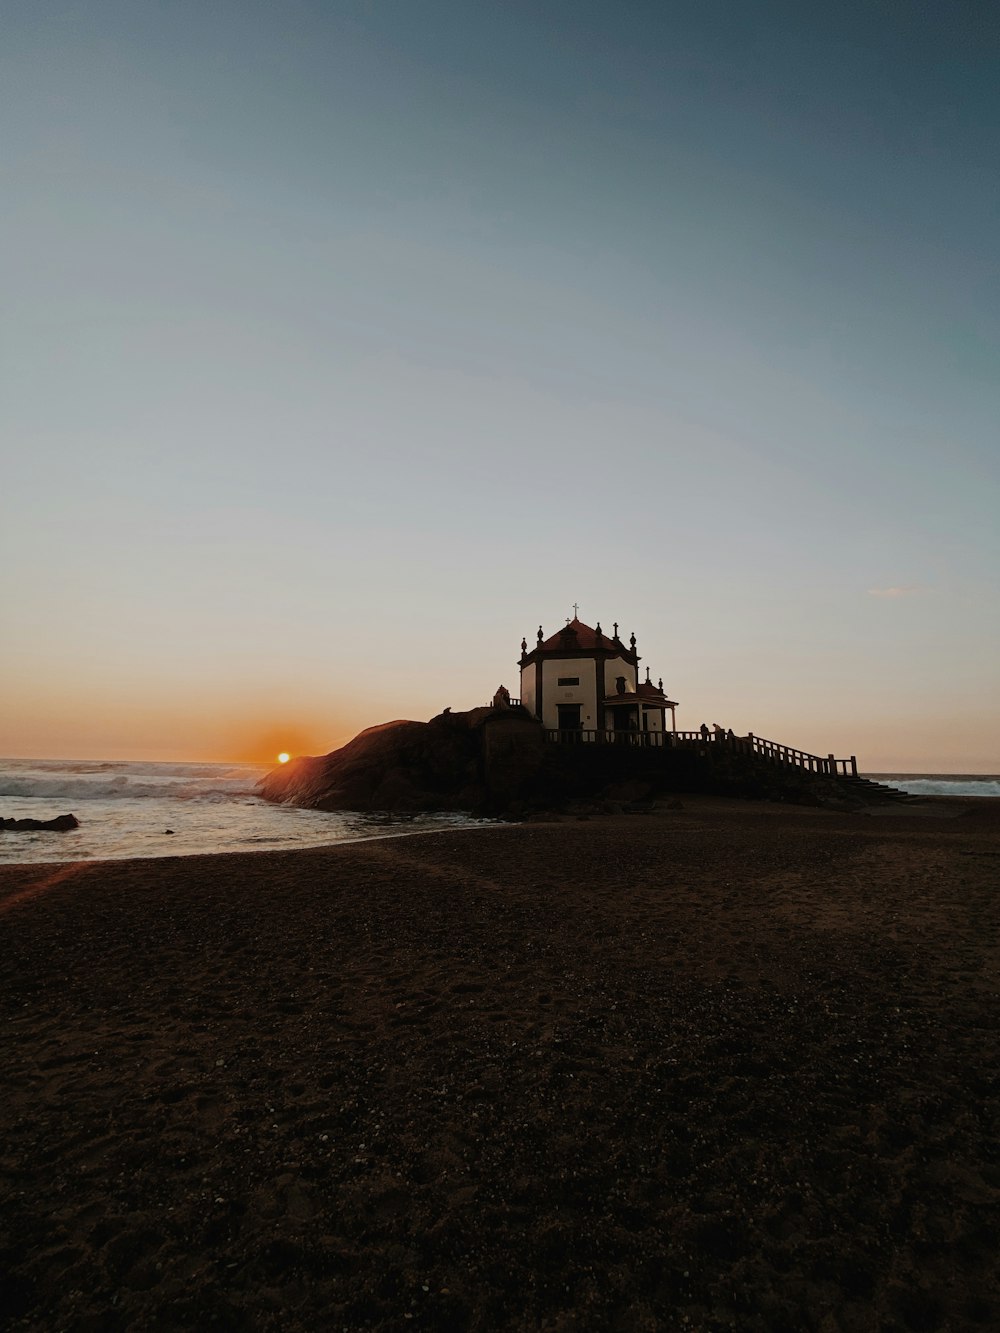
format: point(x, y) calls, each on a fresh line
point(820, 697)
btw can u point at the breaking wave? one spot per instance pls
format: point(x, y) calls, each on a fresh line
point(959, 784)
point(108, 782)
point(142, 809)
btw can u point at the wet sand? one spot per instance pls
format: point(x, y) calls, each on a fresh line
point(732, 1066)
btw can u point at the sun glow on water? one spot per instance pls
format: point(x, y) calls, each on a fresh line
point(124, 810)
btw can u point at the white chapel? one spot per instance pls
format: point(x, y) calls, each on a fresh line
point(580, 679)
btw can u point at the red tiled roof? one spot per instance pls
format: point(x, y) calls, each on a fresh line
point(585, 638)
point(649, 690)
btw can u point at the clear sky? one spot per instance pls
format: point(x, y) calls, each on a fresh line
point(344, 342)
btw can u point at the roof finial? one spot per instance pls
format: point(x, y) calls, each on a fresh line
point(597, 631)
point(660, 685)
point(524, 645)
point(616, 629)
point(539, 633)
point(576, 610)
point(648, 681)
point(632, 641)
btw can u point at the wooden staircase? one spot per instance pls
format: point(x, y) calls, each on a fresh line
point(844, 771)
point(878, 791)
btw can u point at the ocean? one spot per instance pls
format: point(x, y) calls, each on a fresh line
point(125, 810)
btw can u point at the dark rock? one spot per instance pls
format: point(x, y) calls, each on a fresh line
point(629, 792)
point(495, 761)
point(483, 760)
point(60, 824)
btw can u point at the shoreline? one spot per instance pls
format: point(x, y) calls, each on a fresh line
point(266, 851)
point(920, 807)
point(736, 1065)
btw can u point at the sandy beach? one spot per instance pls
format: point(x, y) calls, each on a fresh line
point(732, 1066)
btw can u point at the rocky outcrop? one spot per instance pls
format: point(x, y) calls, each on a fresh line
point(61, 824)
point(457, 761)
point(494, 761)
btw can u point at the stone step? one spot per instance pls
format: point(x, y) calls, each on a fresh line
point(889, 793)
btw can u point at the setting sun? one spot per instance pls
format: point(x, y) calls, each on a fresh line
point(283, 758)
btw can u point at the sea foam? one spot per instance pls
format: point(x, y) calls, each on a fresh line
point(942, 784)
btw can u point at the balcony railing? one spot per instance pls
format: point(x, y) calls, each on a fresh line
point(772, 751)
point(587, 736)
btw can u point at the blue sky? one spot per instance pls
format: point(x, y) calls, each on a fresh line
point(344, 343)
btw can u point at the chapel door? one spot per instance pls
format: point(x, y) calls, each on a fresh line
point(626, 724)
point(569, 717)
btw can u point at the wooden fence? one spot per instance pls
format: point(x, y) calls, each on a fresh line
point(785, 755)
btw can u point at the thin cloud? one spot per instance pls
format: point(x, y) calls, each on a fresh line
point(905, 590)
